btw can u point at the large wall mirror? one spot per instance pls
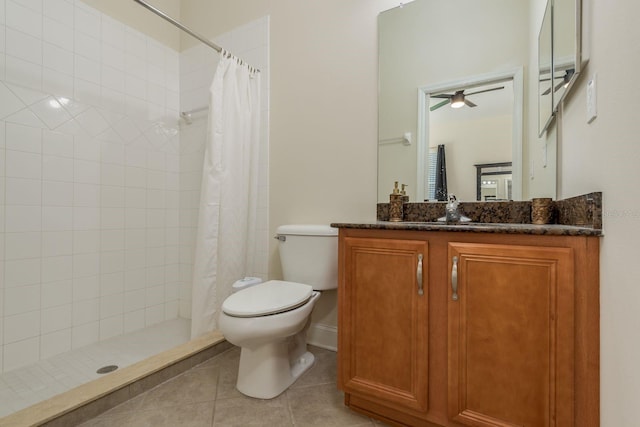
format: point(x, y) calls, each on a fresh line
point(427, 44)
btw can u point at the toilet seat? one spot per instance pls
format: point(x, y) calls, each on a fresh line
point(272, 297)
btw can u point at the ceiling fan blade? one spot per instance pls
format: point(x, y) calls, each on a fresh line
point(438, 105)
point(469, 103)
point(546, 92)
point(443, 95)
point(486, 90)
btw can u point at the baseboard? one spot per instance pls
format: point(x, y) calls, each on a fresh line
point(323, 336)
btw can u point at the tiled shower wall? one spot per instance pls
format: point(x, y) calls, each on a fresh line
point(197, 67)
point(89, 179)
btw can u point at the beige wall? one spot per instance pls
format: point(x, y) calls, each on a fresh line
point(605, 156)
point(136, 16)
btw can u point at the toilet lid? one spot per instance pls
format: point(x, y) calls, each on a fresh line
point(274, 296)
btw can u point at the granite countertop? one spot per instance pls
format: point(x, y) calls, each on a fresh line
point(575, 216)
point(505, 228)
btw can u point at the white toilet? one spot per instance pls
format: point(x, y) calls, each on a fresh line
point(269, 321)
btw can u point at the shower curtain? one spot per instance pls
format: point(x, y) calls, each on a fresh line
point(225, 239)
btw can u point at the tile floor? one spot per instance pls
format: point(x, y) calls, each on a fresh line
point(206, 396)
point(31, 384)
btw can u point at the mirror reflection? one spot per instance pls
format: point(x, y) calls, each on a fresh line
point(419, 47)
point(546, 78)
point(566, 46)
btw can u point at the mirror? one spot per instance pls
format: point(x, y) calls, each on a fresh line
point(567, 30)
point(546, 82)
point(426, 44)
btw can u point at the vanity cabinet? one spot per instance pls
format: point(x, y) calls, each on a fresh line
point(384, 327)
point(510, 346)
point(505, 332)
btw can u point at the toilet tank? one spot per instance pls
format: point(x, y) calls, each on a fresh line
point(309, 254)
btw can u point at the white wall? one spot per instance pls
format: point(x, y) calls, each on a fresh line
point(604, 156)
point(89, 179)
point(468, 143)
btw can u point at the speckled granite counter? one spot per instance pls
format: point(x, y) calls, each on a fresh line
point(505, 228)
point(575, 216)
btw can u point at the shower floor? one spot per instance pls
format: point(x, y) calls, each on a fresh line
point(31, 384)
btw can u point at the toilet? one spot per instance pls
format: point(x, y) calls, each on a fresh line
point(269, 321)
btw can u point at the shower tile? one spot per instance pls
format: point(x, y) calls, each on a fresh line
point(57, 83)
point(83, 335)
point(133, 320)
point(21, 300)
point(50, 112)
point(23, 73)
point(57, 218)
point(53, 344)
point(58, 34)
point(21, 353)
point(112, 240)
point(86, 46)
point(111, 327)
point(21, 272)
point(87, 195)
point(2, 21)
point(23, 19)
point(154, 315)
point(22, 218)
point(57, 144)
point(111, 305)
point(86, 241)
point(55, 319)
point(23, 138)
point(25, 192)
point(21, 326)
point(23, 245)
point(56, 293)
point(86, 265)
point(56, 168)
point(56, 243)
point(60, 10)
point(57, 268)
point(23, 46)
point(87, 20)
point(21, 164)
point(85, 310)
point(55, 193)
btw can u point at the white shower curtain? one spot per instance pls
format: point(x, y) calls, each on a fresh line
point(225, 239)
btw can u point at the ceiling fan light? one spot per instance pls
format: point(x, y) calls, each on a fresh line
point(457, 101)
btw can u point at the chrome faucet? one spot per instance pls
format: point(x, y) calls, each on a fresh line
point(452, 213)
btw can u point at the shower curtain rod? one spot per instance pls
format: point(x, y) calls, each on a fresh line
point(179, 25)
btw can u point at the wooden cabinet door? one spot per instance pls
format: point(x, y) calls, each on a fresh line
point(383, 319)
point(511, 335)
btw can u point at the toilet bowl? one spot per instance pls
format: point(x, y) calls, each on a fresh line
point(273, 346)
point(269, 321)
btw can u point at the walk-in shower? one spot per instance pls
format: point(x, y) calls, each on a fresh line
point(99, 183)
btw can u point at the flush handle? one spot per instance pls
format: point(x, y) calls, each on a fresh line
point(280, 237)
point(419, 275)
point(454, 279)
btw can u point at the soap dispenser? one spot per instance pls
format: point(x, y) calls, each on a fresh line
point(405, 196)
point(395, 204)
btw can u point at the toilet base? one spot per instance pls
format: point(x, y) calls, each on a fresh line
point(267, 371)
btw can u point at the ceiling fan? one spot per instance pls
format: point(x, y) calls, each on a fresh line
point(566, 78)
point(458, 99)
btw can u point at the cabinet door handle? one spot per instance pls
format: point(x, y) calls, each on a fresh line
point(454, 279)
point(419, 275)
